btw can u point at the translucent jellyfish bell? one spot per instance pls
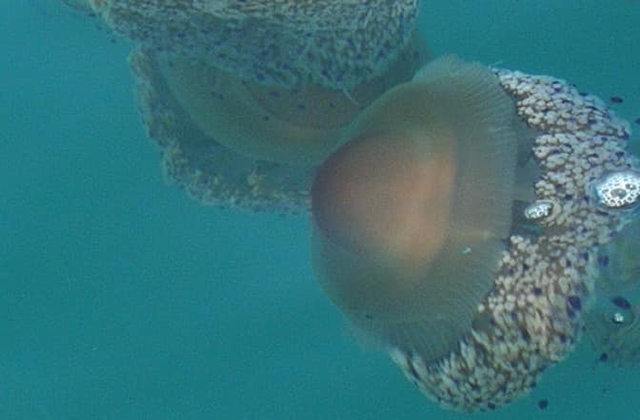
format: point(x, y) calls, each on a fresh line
point(241, 115)
point(410, 213)
point(298, 126)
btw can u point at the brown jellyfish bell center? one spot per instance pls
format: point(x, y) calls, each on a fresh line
point(409, 215)
point(365, 199)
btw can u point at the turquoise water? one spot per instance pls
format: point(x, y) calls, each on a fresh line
point(123, 299)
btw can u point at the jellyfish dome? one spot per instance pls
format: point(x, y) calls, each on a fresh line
point(451, 126)
point(332, 43)
point(459, 224)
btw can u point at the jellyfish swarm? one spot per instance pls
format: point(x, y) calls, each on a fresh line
point(464, 238)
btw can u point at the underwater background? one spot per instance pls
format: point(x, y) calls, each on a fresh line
point(123, 299)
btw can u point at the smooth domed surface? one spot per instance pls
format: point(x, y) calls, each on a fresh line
point(411, 212)
point(298, 126)
point(365, 197)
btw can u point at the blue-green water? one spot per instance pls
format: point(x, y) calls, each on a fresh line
point(123, 299)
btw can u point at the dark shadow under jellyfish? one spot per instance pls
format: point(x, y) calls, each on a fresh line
point(458, 225)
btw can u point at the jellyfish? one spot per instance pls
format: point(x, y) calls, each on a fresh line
point(458, 226)
point(613, 324)
point(332, 43)
point(237, 143)
point(244, 98)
